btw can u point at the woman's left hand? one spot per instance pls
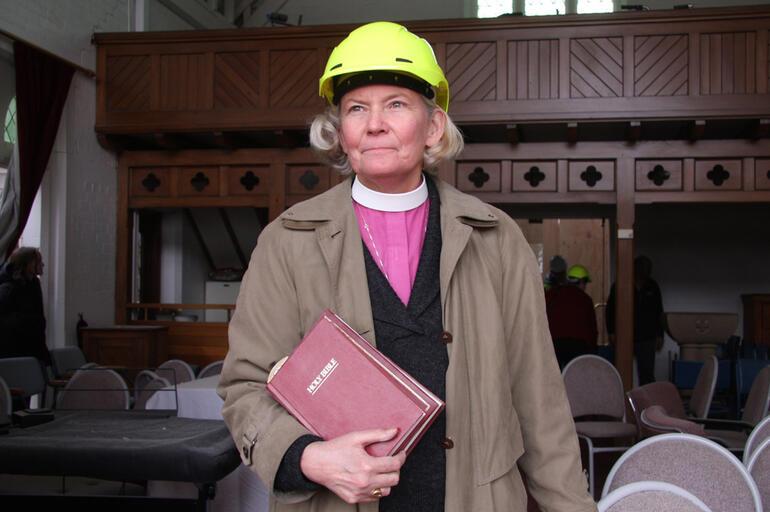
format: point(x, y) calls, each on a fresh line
point(343, 465)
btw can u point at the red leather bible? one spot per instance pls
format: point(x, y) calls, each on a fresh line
point(335, 382)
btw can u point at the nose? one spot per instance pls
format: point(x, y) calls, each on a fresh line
point(376, 121)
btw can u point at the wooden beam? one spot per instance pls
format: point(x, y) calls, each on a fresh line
point(169, 140)
point(572, 133)
point(512, 132)
point(624, 273)
point(112, 142)
point(229, 140)
point(633, 131)
point(697, 129)
point(761, 129)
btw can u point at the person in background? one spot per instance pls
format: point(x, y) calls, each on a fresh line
point(557, 272)
point(443, 284)
point(22, 319)
point(648, 319)
point(579, 276)
point(571, 316)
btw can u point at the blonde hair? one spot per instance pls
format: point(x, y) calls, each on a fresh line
point(324, 139)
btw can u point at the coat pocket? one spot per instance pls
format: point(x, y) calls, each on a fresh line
point(498, 453)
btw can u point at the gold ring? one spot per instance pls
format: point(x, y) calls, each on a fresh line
point(376, 493)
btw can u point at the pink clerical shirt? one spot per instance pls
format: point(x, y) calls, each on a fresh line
point(395, 239)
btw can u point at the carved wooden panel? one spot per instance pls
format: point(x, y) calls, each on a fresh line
point(248, 180)
point(236, 79)
point(720, 174)
point(728, 63)
point(533, 69)
point(149, 182)
point(660, 65)
point(293, 78)
point(307, 179)
point(762, 174)
point(596, 67)
point(199, 181)
point(128, 83)
point(658, 175)
point(471, 69)
point(534, 177)
point(591, 175)
point(479, 176)
point(185, 82)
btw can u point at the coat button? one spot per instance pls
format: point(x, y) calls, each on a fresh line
point(447, 443)
point(445, 337)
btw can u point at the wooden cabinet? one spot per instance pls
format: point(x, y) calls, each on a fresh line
point(128, 346)
point(756, 319)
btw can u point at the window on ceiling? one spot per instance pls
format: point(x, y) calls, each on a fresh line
point(493, 8)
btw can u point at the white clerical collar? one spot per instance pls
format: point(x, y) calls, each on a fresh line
point(389, 202)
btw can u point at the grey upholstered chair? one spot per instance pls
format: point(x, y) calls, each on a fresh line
point(6, 403)
point(703, 392)
point(94, 388)
point(66, 360)
point(25, 374)
point(651, 496)
point(175, 371)
point(696, 464)
point(595, 389)
point(759, 469)
point(148, 389)
point(210, 369)
point(758, 434)
point(655, 420)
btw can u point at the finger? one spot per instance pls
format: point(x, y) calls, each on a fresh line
point(377, 435)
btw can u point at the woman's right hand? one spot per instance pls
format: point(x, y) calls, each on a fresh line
point(343, 466)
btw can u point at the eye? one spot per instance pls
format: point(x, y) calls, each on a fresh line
point(355, 108)
point(397, 104)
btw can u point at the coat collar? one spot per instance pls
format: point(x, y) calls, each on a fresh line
point(309, 214)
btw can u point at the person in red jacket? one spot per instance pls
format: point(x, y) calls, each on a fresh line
point(571, 317)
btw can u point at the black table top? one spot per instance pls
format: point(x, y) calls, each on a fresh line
point(121, 445)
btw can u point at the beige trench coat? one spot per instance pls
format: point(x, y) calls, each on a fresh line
point(506, 404)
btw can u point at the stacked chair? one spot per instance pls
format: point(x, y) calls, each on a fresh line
point(595, 393)
point(699, 466)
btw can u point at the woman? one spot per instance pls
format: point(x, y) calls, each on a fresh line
point(443, 284)
point(22, 320)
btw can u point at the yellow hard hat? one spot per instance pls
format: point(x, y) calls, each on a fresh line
point(383, 52)
point(578, 272)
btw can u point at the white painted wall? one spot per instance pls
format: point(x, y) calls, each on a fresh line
point(704, 257)
point(79, 198)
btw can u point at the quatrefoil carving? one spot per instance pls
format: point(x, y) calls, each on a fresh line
point(591, 176)
point(658, 175)
point(151, 182)
point(199, 182)
point(718, 175)
point(534, 176)
point(478, 177)
point(249, 180)
point(309, 179)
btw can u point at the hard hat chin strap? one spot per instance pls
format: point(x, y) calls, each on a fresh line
point(349, 82)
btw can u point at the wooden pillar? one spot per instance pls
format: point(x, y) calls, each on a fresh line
point(624, 272)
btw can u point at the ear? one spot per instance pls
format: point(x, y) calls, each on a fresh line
point(436, 126)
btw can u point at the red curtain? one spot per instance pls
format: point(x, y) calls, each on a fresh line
point(42, 83)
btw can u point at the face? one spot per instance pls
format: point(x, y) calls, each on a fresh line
point(384, 129)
